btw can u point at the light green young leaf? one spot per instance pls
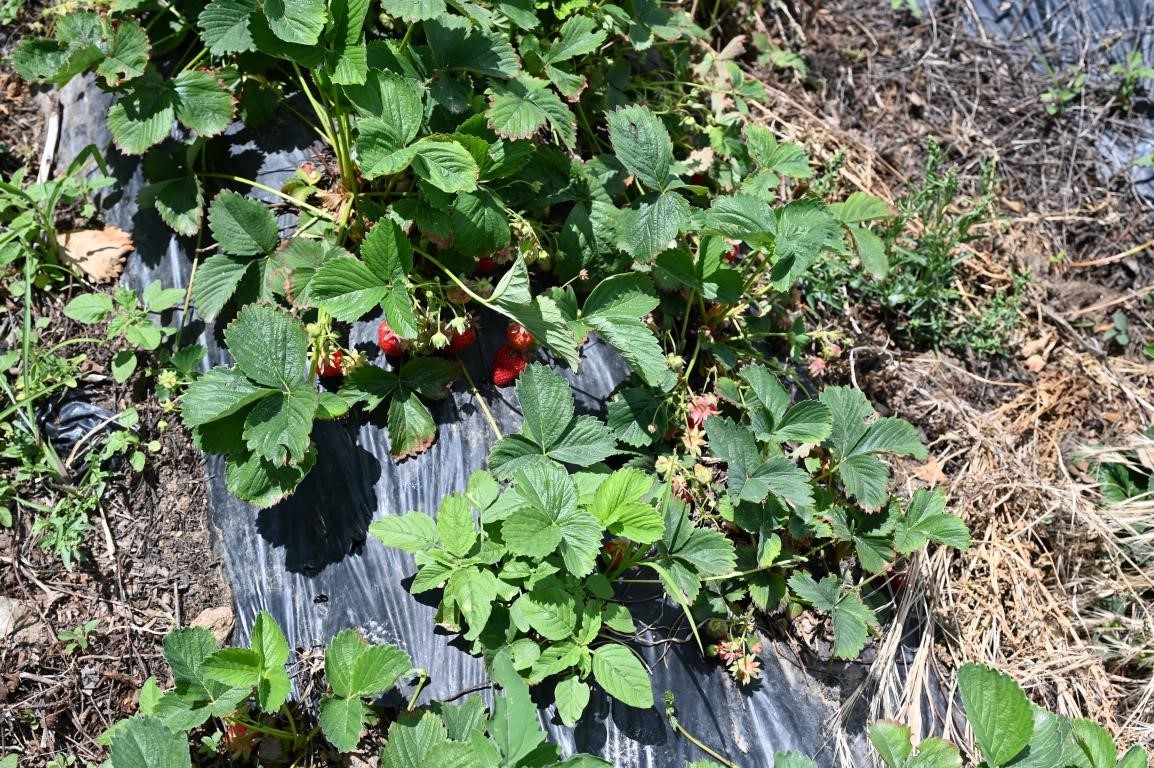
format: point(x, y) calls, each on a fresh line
point(892, 741)
point(936, 753)
point(572, 696)
point(860, 207)
point(785, 158)
point(926, 520)
point(342, 721)
point(1095, 743)
point(89, 308)
point(456, 526)
point(273, 650)
point(414, 532)
point(513, 725)
point(623, 676)
point(618, 507)
point(473, 591)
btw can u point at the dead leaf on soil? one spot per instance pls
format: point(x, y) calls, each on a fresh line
point(219, 621)
point(930, 472)
point(98, 253)
point(19, 623)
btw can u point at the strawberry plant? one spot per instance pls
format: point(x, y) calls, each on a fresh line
point(235, 698)
point(535, 566)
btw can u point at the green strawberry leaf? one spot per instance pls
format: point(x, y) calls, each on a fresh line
point(126, 53)
point(296, 21)
point(146, 742)
point(619, 508)
point(513, 726)
point(278, 428)
point(217, 281)
point(852, 620)
point(202, 104)
point(445, 164)
point(225, 27)
point(455, 525)
point(578, 36)
point(262, 483)
point(549, 611)
point(652, 224)
point(414, 10)
point(144, 114)
point(522, 107)
point(643, 146)
point(892, 741)
point(269, 345)
point(623, 676)
point(615, 309)
point(242, 226)
point(414, 532)
point(926, 520)
point(411, 427)
point(342, 721)
point(998, 711)
point(217, 394)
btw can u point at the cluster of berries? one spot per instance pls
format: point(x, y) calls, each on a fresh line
point(508, 363)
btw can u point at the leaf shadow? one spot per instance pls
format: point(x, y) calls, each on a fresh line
point(328, 517)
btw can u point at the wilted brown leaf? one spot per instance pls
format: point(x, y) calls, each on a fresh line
point(98, 253)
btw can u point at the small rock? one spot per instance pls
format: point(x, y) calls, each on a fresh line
point(219, 621)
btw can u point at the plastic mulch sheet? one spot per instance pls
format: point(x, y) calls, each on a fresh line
point(1092, 35)
point(310, 562)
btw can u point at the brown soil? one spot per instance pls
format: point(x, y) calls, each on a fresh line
point(1001, 432)
point(148, 563)
point(147, 566)
point(21, 118)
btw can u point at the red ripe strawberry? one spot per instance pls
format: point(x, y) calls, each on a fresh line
point(519, 337)
point(332, 366)
point(487, 265)
point(459, 342)
point(389, 342)
point(507, 365)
